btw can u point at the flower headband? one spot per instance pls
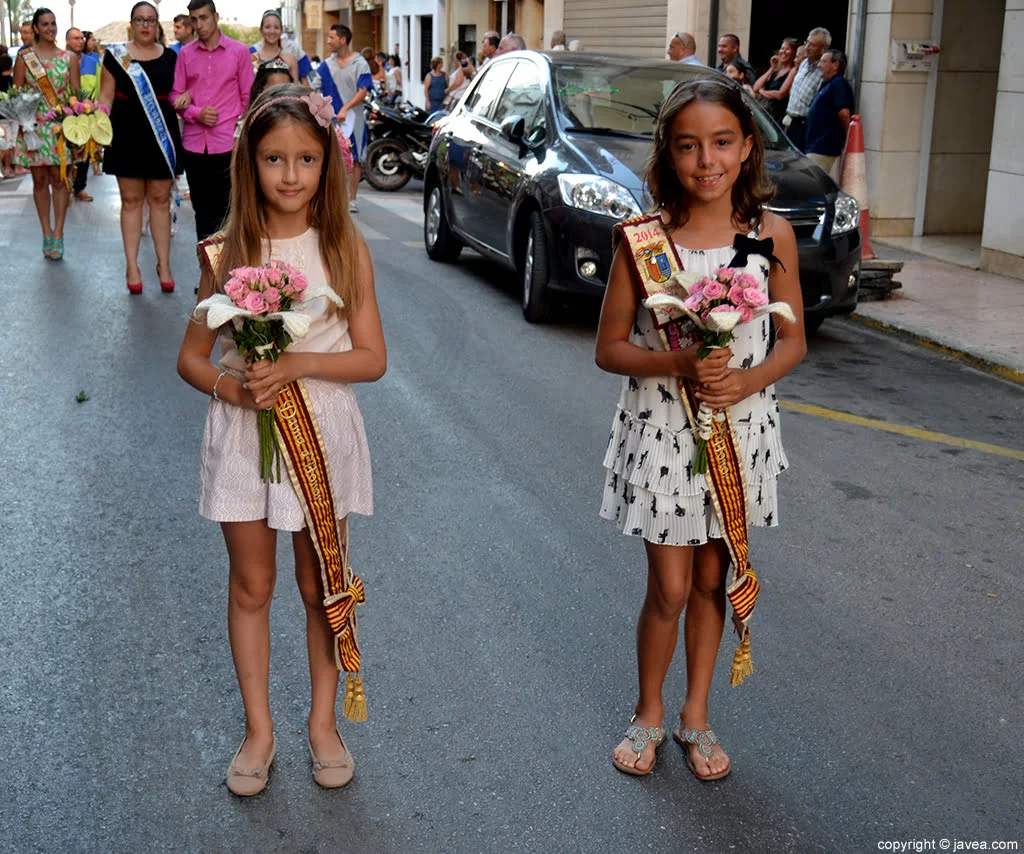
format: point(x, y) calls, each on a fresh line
point(321, 107)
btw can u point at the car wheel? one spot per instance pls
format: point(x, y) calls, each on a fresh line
point(534, 272)
point(441, 244)
point(384, 169)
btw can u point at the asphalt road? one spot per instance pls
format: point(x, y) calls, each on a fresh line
point(498, 632)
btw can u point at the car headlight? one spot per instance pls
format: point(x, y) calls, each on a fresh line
point(598, 195)
point(847, 214)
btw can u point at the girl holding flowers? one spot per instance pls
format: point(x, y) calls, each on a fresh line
point(55, 73)
point(288, 207)
point(707, 179)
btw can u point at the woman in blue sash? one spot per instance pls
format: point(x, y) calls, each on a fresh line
point(145, 154)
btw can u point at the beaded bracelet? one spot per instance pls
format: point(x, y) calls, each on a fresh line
point(214, 393)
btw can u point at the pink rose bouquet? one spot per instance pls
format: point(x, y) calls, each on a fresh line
point(259, 302)
point(717, 305)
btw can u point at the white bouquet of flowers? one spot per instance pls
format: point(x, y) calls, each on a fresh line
point(21, 106)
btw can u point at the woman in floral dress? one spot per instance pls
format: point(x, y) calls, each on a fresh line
point(48, 191)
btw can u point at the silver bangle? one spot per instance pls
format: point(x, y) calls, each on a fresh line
point(214, 392)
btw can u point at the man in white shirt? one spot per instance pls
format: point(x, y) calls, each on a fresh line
point(805, 86)
point(683, 48)
point(511, 42)
point(490, 46)
point(558, 40)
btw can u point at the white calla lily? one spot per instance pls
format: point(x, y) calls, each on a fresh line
point(780, 308)
point(219, 309)
point(296, 323)
point(669, 301)
point(687, 279)
point(664, 301)
point(323, 291)
point(723, 321)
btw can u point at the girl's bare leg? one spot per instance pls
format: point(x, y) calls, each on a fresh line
point(251, 549)
point(41, 197)
point(61, 197)
point(702, 630)
point(323, 672)
point(669, 570)
point(133, 194)
point(158, 195)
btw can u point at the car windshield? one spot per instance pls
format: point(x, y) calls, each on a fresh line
point(622, 100)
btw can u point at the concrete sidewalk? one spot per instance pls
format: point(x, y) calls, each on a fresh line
point(967, 313)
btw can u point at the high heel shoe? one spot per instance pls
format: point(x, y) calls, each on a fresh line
point(166, 287)
point(57, 254)
point(135, 288)
point(47, 246)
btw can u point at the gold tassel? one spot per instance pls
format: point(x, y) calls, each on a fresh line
point(742, 663)
point(354, 706)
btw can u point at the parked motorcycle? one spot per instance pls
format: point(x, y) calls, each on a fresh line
point(400, 137)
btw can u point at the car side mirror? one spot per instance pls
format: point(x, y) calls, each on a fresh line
point(513, 128)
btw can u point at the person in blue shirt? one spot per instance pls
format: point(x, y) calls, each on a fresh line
point(27, 36)
point(183, 32)
point(828, 119)
point(349, 82)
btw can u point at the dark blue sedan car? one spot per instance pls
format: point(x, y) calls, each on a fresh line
point(544, 155)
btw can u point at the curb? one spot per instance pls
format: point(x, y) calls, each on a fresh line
point(1004, 372)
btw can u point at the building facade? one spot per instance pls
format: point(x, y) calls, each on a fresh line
point(423, 29)
point(310, 20)
point(944, 150)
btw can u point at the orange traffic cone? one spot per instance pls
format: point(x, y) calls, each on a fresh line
point(854, 181)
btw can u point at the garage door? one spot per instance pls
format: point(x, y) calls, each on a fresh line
point(601, 26)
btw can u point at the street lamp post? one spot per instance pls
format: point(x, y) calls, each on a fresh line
point(71, 3)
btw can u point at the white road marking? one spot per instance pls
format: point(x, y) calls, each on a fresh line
point(403, 204)
point(370, 233)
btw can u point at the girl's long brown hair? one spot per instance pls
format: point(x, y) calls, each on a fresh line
point(246, 229)
point(752, 188)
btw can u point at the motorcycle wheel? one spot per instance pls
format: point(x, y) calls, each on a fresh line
point(383, 168)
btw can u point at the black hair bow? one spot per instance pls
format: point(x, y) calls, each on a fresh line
point(746, 246)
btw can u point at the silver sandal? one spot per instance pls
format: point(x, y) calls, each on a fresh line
point(705, 740)
point(641, 737)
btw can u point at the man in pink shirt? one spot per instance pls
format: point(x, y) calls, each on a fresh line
point(212, 79)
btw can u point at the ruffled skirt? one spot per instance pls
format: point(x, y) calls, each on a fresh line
point(651, 490)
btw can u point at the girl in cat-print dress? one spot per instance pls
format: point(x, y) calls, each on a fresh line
point(706, 174)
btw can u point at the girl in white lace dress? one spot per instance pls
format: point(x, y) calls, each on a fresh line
point(288, 203)
point(706, 174)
